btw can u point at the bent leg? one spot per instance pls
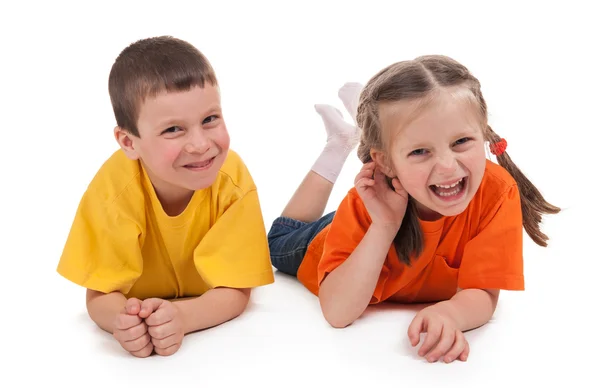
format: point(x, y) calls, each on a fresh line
point(289, 239)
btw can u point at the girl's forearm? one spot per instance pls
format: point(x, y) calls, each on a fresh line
point(346, 292)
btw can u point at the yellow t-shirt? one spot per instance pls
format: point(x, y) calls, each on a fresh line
point(122, 240)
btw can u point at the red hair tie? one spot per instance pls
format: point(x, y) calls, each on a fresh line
point(498, 147)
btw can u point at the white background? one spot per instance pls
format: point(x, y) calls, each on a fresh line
point(538, 66)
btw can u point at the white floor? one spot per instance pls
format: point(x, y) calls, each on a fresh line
point(544, 335)
point(538, 67)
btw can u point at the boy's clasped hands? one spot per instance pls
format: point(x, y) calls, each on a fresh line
point(150, 325)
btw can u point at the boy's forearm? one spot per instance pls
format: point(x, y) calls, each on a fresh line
point(103, 308)
point(212, 308)
point(471, 308)
point(346, 292)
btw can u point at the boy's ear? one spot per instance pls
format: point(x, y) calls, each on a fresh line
point(125, 140)
point(382, 164)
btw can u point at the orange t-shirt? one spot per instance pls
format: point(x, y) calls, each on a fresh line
point(479, 248)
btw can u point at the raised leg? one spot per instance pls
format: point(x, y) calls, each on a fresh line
point(310, 198)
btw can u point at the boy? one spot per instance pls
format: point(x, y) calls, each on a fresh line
point(173, 214)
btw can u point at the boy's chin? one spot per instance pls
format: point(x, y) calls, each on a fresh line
point(196, 186)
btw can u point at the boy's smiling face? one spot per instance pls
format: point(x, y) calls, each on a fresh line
point(183, 140)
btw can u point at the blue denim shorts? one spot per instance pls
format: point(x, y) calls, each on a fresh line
point(289, 239)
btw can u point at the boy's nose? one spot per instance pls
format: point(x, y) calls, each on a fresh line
point(198, 143)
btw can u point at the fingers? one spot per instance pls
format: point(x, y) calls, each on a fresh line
point(365, 174)
point(125, 321)
point(149, 306)
point(135, 340)
point(161, 316)
point(165, 342)
point(447, 339)
point(370, 175)
point(161, 331)
point(378, 175)
point(364, 183)
point(465, 353)
point(145, 351)
point(133, 306)
point(459, 347)
point(137, 344)
point(382, 185)
point(434, 331)
point(166, 338)
point(132, 333)
point(168, 351)
point(415, 329)
point(147, 326)
point(443, 339)
point(368, 166)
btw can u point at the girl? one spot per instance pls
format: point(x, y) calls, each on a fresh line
point(429, 219)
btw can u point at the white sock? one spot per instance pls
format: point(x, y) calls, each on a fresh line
point(350, 94)
point(342, 137)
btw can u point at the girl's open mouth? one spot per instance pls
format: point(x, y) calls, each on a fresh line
point(451, 191)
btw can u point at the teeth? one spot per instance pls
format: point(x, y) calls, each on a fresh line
point(198, 165)
point(450, 186)
point(453, 192)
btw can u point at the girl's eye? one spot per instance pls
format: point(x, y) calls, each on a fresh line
point(462, 141)
point(420, 151)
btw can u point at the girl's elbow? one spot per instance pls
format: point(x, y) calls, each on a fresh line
point(337, 323)
point(334, 317)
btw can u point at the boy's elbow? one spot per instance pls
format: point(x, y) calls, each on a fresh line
point(244, 299)
point(239, 301)
point(91, 300)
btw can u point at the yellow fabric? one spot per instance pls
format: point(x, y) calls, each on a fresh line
point(122, 240)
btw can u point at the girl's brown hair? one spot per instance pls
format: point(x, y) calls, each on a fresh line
point(414, 80)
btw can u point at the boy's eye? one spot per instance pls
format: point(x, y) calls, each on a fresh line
point(209, 119)
point(172, 129)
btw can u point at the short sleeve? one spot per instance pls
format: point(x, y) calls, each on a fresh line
point(235, 251)
point(102, 251)
point(348, 227)
point(494, 257)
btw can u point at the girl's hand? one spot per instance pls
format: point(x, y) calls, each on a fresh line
point(443, 339)
point(386, 207)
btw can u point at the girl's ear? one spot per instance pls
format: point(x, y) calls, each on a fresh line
point(381, 161)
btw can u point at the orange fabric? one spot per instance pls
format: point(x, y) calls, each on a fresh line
point(479, 248)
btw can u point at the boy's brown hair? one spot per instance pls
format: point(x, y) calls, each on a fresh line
point(417, 79)
point(151, 66)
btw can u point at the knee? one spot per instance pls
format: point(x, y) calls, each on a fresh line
point(283, 256)
point(273, 236)
point(277, 230)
